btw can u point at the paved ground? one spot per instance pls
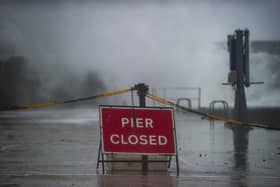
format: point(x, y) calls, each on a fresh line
point(58, 147)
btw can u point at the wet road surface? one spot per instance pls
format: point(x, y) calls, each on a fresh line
point(59, 147)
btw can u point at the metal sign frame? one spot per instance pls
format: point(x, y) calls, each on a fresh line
point(101, 153)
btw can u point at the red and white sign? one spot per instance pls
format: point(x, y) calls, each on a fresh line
point(137, 130)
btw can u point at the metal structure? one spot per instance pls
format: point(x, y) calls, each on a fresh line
point(189, 101)
point(142, 92)
point(239, 75)
point(238, 47)
point(174, 93)
point(224, 103)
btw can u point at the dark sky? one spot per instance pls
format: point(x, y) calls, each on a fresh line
point(161, 43)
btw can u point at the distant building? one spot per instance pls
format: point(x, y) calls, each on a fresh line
point(6, 50)
point(12, 80)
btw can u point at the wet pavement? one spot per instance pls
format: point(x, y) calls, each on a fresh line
point(59, 147)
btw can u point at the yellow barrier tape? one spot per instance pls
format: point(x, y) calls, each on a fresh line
point(160, 100)
point(214, 117)
point(174, 105)
point(220, 118)
point(118, 92)
point(39, 105)
point(210, 116)
point(54, 103)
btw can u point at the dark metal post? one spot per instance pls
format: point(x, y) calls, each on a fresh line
point(240, 105)
point(142, 91)
point(246, 58)
point(98, 158)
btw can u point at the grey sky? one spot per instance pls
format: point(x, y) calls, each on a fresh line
point(158, 43)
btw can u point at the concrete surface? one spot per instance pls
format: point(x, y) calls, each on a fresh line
point(59, 147)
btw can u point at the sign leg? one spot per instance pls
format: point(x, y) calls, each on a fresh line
point(169, 161)
point(102, 155)
point(98, 158)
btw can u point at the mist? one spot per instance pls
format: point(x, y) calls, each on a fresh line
point(164, 44)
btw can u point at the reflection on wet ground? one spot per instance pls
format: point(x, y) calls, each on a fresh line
point(59, 148)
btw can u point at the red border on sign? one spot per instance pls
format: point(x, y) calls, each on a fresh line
point(149, 130)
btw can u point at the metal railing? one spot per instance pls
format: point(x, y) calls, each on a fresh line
point(174, 93)
point(224, 104)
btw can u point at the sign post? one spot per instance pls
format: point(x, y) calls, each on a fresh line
point(142, 91)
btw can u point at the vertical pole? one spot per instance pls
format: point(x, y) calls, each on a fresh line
point(246, 58)
point(103, 167)
point(164, 93)
point(177, 155)
point(98, 159)
point(240, 105)
point(142, 91)
point(199, 98)
point(154, 92)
